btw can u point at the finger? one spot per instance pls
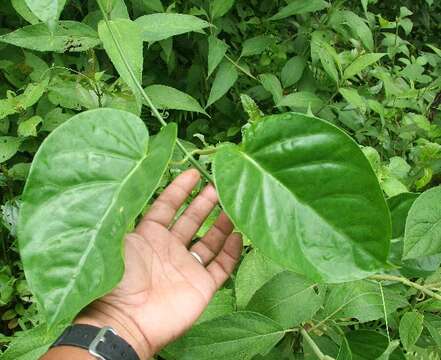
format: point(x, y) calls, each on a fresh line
point(168, 203)
point(213, 241)
point(223, 265)
point(193, 217)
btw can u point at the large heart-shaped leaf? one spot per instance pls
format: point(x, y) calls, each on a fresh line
point(304, 193)
point(89, 180)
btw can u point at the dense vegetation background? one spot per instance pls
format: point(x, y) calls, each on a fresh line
point(257, 58)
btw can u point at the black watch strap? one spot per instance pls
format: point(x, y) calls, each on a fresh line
point(103, 343)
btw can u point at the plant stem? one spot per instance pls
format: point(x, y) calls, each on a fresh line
point(241, 68)
point(147, 99)
point(407, 282)
point(314, 346)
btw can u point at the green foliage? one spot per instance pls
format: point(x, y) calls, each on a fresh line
point(310, 202)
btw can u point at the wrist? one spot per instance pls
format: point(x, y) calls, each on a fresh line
point(102, 314)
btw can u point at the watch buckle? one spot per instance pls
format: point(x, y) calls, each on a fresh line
point(100, 338)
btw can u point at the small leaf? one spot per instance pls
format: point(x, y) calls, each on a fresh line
point(128, 34)
point(239, 336)
point(8, 147)
point(299, 7)
point(345, 19)
point(70, 36)
point(256, 45)
point(226, 77)
point(283, 293)
point(29, 126)
point(301, 100)
point(47, 11)
point(423, 226)
point(216, 52)
point(292, 71)
point(352, 96)
point(272, 84)
point(411, 327)
point(219, 8)
point(270, 188)
point(166, 97)
point(161, 26)
point(360, 64)
point(73, 258)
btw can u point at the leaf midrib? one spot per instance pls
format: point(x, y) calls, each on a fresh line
point(92, 243)
point(265, 171)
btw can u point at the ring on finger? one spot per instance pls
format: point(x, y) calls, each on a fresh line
point(197, 257)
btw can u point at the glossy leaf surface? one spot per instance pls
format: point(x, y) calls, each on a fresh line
point(302, 191)
point(422, 236)
point(89, 180)
point(70, 36)
point(239, 336)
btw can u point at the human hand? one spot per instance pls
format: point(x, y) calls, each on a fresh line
point(164, 288)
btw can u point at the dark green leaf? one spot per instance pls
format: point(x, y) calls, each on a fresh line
point(301, 101)
point(270, 188)
point(256, 45)
point(76, 257)
point(216, 52)
point(399, 207)
point(219, 8)
point(293, 71)
point(272, 84)
point(366, 344)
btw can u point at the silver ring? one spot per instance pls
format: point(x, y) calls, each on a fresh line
point(197, 257)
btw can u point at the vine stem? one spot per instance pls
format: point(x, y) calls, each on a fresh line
point(314, 346)
point(147, 99)
point(407, 282)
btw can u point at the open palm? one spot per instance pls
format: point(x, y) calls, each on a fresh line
point(165, 288)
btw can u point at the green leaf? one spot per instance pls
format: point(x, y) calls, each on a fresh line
point(70, 36)
point(161, 26)
point(76, 257)
point(221, 304)
point(360, 64)
point(423, 226)
point(399, 207)
point(298, 7)
point(361, 300)
point(29, 126)
point(301, 101)
point(31, 344)
point(128, 34)
point(272, 187)
point(283, 293)
point(219, 8)
point(22, 8)
point(352, 96)
point(8, 147)
point(327, 56)
point(254, 271)
point(47, 11)
point(256, 45)
point(292, 71)
point(226, 77)
point(216, 52)
point(238, 336)
point(411, 327)
point(166, 97)
point(343, 20)
point(366, 344)
point(272, 84)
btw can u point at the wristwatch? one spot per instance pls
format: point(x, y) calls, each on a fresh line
point(103, 343)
